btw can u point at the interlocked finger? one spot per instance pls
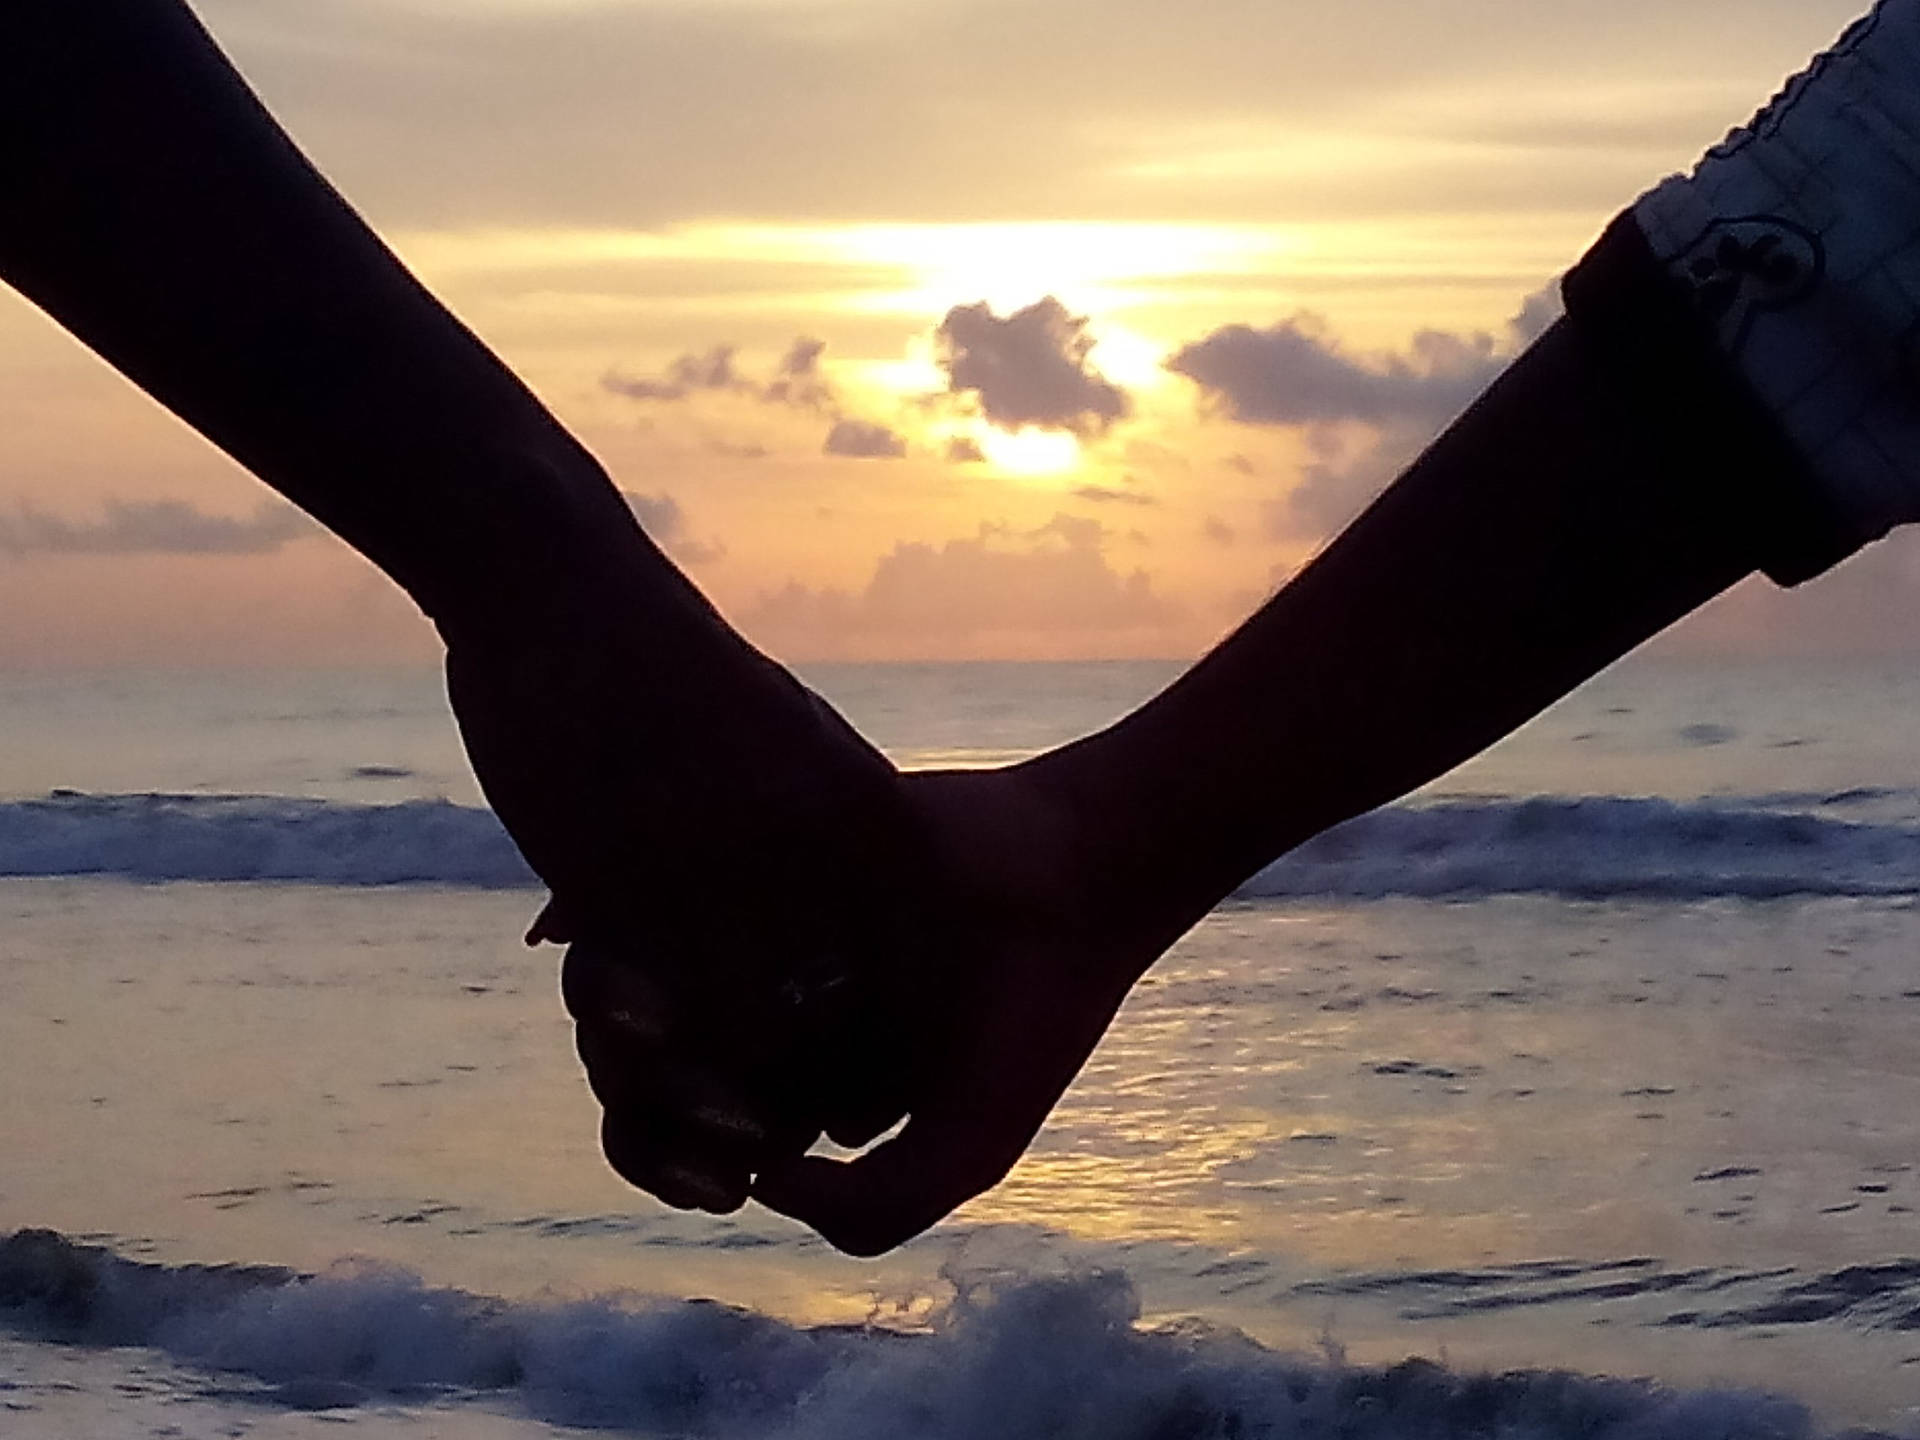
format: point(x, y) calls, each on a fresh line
point(681, 1168)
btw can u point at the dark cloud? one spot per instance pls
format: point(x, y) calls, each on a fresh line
point(1537, 312)
point(1108, 495)
point(963, 451)
point(1028, 368)
point(663, 520)
point(863, 440)
point(154, 527)
point(1364, 417)
point(1350, 465)
point(797, 380)
point(998, 588)
point(1218, 531)
point(1295, 373)
point(688, 375)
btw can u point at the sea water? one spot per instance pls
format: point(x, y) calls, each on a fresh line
point(1577, 1096)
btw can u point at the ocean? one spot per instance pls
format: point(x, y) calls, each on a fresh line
point(1578, 1095)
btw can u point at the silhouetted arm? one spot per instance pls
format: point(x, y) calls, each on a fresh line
point(674, 786)
point(151, 205)
point(1611, 481)
point(1593, 497)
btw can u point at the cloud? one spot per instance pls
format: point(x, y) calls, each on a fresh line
point(1537, 313)
point(664, 521)
point(154, 527)
point(863, 440)
point(1295, 373)
point(1348, 466)
point(1029, 368)
point(1218, 531)
point(798, 378)
point(964, 451)
point(798, 381)
point(999, 591)
point(1108, 495)
point(1364, 418)
point(688, 375)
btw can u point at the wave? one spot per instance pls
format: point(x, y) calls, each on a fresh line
point(1597, 848)
point(1582, 848)
point(1059, 1357)
point(258, 837)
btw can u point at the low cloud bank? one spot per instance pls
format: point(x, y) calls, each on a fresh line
point(662, 518)
point(154, 527)
point(1049, 590)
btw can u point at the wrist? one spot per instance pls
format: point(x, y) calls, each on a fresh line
point(1145, 846)
point(537, 541)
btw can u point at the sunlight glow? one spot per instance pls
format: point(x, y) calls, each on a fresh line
point(1089, 266)
point(1028, 452)
point(1129, 358)
point(1459, 270)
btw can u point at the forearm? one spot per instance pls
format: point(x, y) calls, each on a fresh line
point(1582, 506)
point(151, 206)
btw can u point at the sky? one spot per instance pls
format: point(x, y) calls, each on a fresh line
point(924, 328)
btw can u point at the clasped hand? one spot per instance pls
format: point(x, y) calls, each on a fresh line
point(774, 935)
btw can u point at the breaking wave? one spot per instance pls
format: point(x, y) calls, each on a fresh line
point(1054, 1358)
point(1584, 848)
point(258, 837)
point(1601, 847)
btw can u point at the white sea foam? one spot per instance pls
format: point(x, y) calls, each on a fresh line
point(1596, 847)
point(1036, 1358)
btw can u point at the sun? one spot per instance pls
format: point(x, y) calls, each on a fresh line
point(1029, 452)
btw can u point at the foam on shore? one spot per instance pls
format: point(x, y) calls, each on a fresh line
point(1053, 1358)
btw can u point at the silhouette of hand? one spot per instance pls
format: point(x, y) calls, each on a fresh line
point(1033, 968)
point(725, 852)
point(985, 983)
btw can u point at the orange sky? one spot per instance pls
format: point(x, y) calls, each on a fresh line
point(1114, 309)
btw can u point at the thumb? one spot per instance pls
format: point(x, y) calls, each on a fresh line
point(868, 1205)
point(552, 926)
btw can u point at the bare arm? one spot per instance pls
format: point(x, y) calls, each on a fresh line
point(151, 205)
point(1614, 479)
point(644, 756)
